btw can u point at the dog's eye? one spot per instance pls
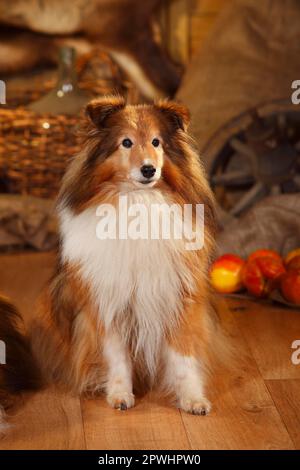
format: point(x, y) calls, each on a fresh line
point(127, 143)
point(155, 142)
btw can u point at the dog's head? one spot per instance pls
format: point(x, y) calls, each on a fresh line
point(135, 138)
point(133, 147)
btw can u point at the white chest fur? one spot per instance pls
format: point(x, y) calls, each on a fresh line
point(137, 284)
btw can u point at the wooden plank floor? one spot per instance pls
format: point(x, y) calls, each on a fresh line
point(256, 407)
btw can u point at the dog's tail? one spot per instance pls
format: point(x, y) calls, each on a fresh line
point(19, 371)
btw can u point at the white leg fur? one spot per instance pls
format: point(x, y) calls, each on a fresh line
point(119, 378)
point(185, 378)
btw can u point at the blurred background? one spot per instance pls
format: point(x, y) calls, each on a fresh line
point(232, 62)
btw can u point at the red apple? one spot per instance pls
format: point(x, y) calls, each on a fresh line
point(253, 280)
point(264, 253)
point(294, 263)
point(291, 255)
point(271, 268)
point(225, 273)
point(290, 286)
point(262, 275)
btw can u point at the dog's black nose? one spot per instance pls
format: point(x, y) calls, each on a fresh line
point(148, 171)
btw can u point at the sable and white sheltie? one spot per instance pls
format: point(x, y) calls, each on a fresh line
point(122, 313)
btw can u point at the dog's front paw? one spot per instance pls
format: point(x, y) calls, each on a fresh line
point(196, 406)
point(121, 400)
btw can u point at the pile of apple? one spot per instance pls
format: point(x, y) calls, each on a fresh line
point(262, 273)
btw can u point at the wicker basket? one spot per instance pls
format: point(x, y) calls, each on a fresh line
point(35, 149)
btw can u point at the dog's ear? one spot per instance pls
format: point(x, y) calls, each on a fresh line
point(100, 109)
point(177, 114)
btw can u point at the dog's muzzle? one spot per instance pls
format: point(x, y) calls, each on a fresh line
point(148, 171)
